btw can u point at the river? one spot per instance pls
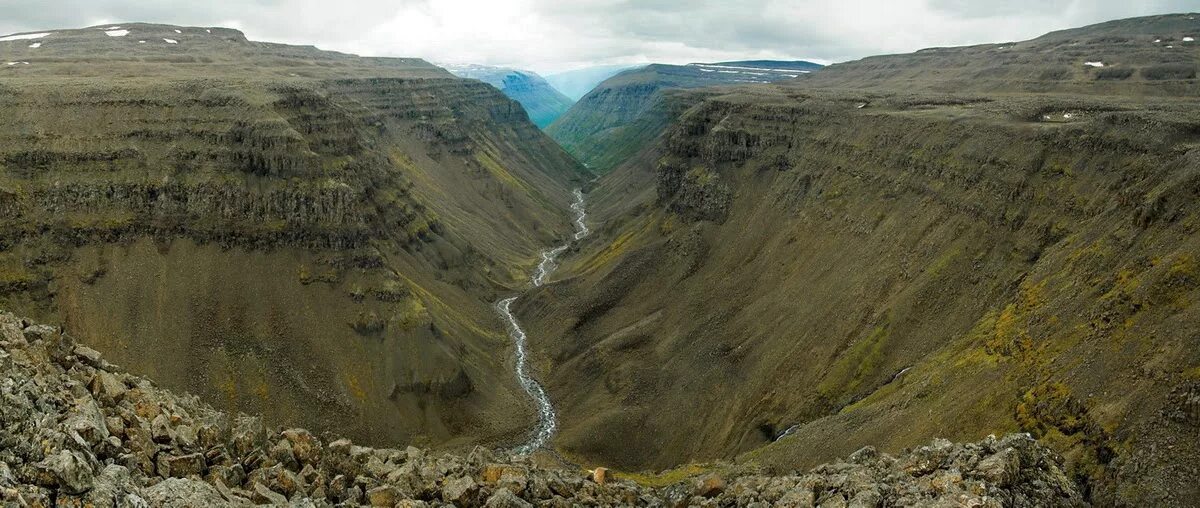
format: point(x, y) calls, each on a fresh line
point(547, 420)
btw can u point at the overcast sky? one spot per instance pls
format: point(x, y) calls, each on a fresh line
point(554, 35)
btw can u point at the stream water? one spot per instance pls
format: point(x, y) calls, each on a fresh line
point(547, 420)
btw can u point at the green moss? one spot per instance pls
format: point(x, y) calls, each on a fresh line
point(499, 172)
point(854, 366)
point(665, 478)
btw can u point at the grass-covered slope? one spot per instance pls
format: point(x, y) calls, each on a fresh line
point(816, 269)
point(309, 235)
point(627, 111)
point(543, 102)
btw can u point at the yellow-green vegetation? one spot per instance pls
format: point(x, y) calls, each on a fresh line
point(411, 313)
point(618, 247)
point(1052, 414)
point(846, 375)
point(1010, 332)
point(497, 170)
point(701, 175)
point(665, 478)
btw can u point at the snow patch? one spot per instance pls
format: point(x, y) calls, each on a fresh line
point(170, 41)
point(15, 63)
point(1156, 41)
point(116, 33)
point(22, 37)
point(1094, 64)
point(113, 28)
point(207, 30)
point(707, 70)
point(177, 31)
point(1188, 39)
point(141, 42)
point(739, 67)
point(36, 45)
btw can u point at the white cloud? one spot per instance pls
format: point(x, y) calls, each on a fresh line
point(550, 35)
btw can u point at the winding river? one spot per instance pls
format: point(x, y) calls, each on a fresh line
point(547, 421)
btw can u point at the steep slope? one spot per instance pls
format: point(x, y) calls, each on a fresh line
point(817, 268)
point(625, 112)
point(578, 82)
point(543, 102)
point(313, 236)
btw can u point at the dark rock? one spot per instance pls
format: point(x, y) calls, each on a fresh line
point(66, 470)
point(180, 466)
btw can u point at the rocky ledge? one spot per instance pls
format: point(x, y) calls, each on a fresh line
point(77, 431)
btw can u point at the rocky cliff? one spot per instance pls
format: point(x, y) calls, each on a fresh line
point(820, 267)
point(312, 236)
point(79, 431)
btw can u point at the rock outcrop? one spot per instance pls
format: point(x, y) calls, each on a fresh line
point(78, 431)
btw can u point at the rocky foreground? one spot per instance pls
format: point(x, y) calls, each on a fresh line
point(77, 431)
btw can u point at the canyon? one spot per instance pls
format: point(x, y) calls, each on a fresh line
point(695, 287)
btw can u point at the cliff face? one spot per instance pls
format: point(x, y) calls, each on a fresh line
point(817, 269)
point(312, 236)
point(541, 100)
point(627, 112)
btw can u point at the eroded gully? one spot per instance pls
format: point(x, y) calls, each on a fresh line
point(547, 420)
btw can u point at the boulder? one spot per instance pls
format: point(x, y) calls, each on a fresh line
point(305, 447)
point(385, 495)
point(180, 466)
point(183, 493)
point(710, 486)
point(460, 491)
point(68, 471)
point(106, 387)
point(504, 498)
point(600, 476)
point(263, 495)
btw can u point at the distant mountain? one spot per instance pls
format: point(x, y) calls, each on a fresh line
point(628, 110)
point(1154, 55)
point(542, 101)
point(795, 65)
point(577, 83)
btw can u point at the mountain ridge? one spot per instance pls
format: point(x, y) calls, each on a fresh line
point(626, 111)
point(542, 101)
